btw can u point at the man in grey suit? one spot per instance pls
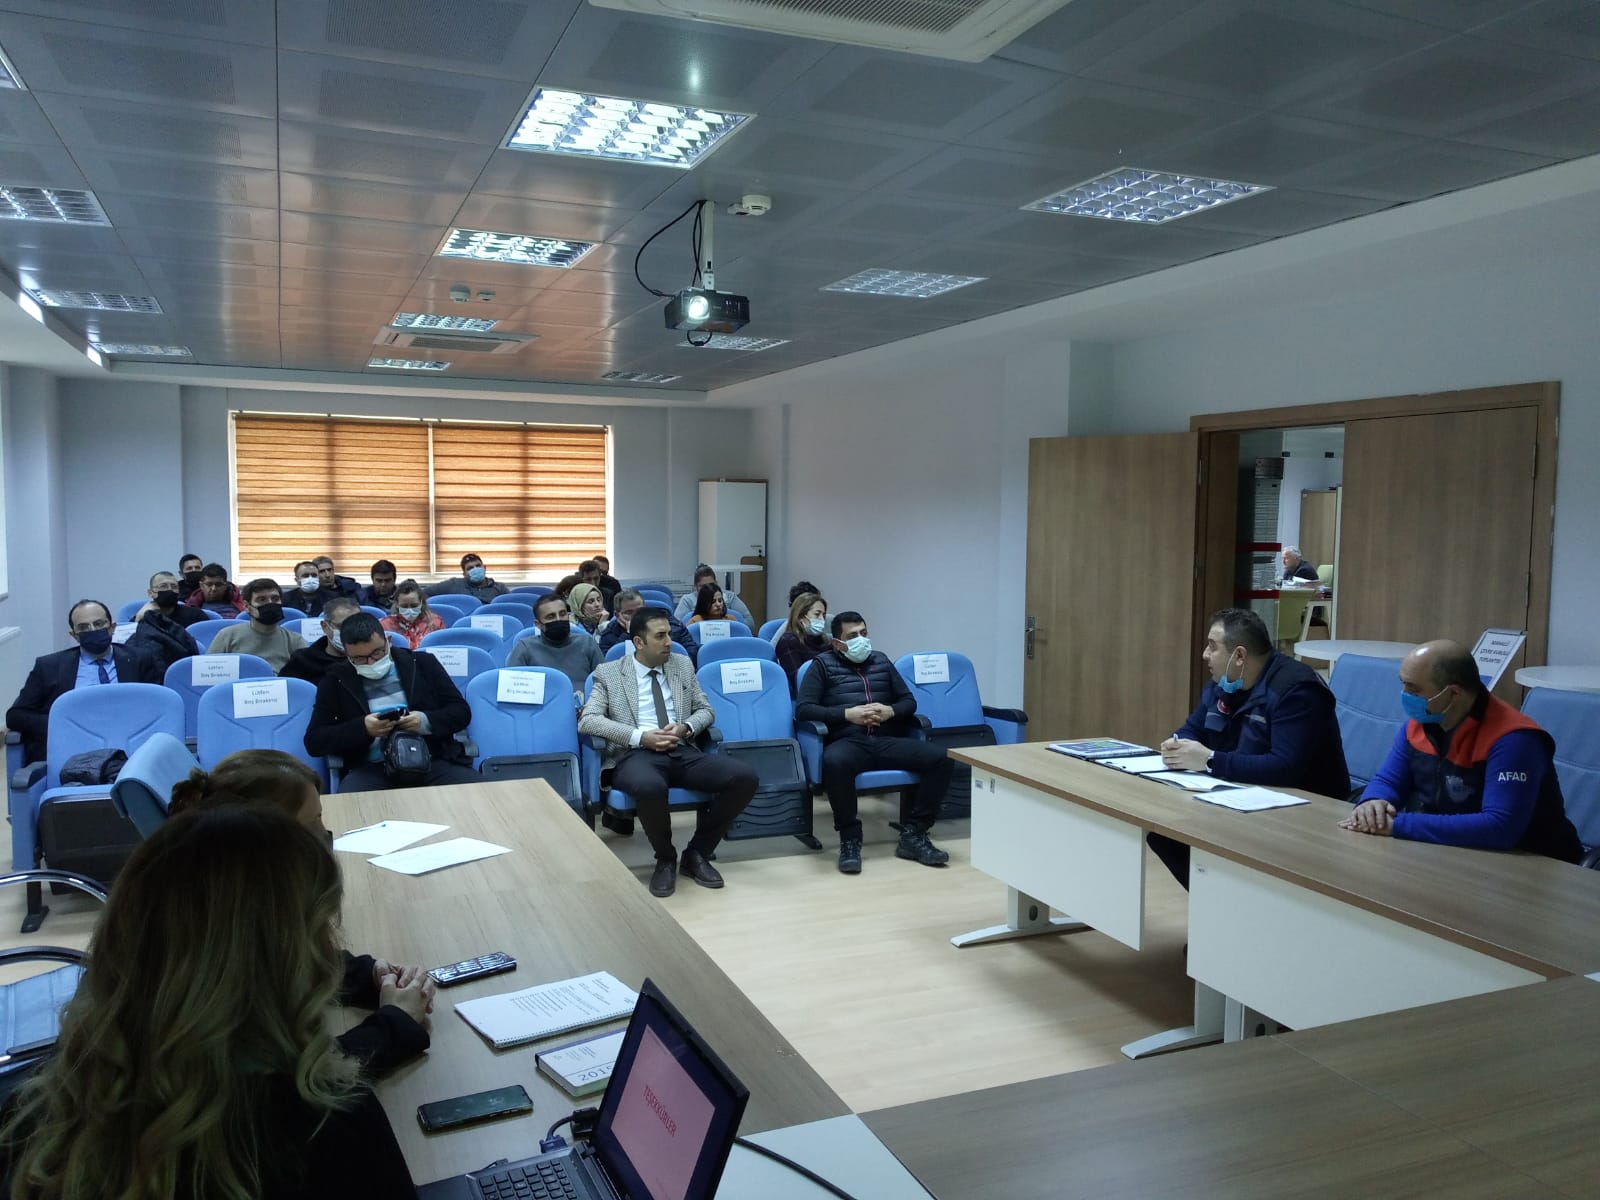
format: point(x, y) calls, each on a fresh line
point(648, 707)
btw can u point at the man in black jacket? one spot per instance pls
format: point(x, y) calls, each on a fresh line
point(377, 690)
point(629, 602)
point(94, 660)
point(856, 692)
point(327, 652)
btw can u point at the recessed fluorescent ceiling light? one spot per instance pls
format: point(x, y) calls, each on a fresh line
point(109, 301)
point(56, 205)
point(638, 377)
point(878, 281)
point(142, 350)
point(1144, 197)
point(631, 130)
point(407, 364)
point(736, 341)
point(436, 321)
point(531, 251)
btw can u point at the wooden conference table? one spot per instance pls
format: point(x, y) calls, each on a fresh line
point(1491, 1096)
point(1289, 915)
point(562, 905)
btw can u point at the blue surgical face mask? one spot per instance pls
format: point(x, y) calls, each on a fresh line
point(858, 649)
point(410, 614)
point(1230, 685)
point(817, 626)
point(310, 584)
point(477, 574)
point(1416, 707)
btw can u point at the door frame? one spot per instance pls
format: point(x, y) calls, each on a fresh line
point(1219, 457)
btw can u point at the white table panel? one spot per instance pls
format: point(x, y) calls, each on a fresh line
point(1566, 679)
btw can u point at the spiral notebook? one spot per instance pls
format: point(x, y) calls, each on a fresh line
point(513, 1018)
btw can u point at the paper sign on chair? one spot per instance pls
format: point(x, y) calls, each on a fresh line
point(740, 676)
point(520, 687)
point(930, 668)
point(261, 698)
point(452, 658)
point(208, 669)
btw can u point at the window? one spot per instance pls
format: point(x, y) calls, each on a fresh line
point(531, 499)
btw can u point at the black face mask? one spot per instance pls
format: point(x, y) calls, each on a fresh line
point(269, 614)
point(191, 580)
point(166, 599)
point(556, 631)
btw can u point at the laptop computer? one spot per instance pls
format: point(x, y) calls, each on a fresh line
point(666, 1124)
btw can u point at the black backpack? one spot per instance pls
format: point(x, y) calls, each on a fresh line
point(406, 759)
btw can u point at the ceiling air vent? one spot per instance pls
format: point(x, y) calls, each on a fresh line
point(455, 341)
point(966, 30)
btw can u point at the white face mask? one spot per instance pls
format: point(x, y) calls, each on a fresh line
point(410, 614)
point(375, 670)
point(817, 626)
point(335, 639)
point(309, 584)
point(858, 649)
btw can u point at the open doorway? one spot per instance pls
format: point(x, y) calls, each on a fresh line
point(1287, 549)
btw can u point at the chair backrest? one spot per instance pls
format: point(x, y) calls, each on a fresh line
point(399, 639)
point(129, 610)
point(769, 629)
point(461, 663)
point(289, 614)
point(520, 601)
point(1366, 694)
point(114, 716)
point(750, 697)
point(1292, 603)
point(711, 631)
point(1325, 575)
point(192, 677)
point(622, 647)
point(257, 714)
point(522, 614)
point(204, 631)
point(945, 687)
point(143, 790)
point(659, 597)
point(522, 710)
point(484, 639)
point(721, 649)
point(534, 590)
point(504, 626)
point(1573, 719)
point(373, 611)
point(458, 602)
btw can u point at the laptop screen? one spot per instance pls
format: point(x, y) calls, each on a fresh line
point(671, 1110)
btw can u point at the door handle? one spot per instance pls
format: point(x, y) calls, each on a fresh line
point(1030, 630)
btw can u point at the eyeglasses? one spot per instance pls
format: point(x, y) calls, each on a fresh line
point(97, 625)
point(377, 655)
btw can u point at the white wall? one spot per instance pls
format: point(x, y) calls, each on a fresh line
point(35, 526)
point(1502, 323)
point(900, 485)
point(1303, 474)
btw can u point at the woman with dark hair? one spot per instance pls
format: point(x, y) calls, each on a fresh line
point(401, 997)
point(195, 1058)
point(709, 605)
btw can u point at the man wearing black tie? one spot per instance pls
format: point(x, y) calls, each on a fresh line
point(648, 708)
point(93, 661)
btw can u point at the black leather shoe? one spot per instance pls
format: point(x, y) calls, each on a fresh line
point(618, 825)
point(664, 879)
point(697, 868)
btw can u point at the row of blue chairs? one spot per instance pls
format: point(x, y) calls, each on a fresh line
point(1370, 720)
point(131, 609)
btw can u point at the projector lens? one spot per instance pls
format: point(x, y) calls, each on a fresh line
point(698, 308)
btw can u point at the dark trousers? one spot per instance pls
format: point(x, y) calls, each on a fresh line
point(647, 774)
point(844, 759)
point(1174, 855)
point(369, 777)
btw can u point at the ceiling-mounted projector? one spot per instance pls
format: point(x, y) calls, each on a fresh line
point(702, 310)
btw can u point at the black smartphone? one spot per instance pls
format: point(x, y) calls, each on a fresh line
point(439, 1115)
point(392, 714)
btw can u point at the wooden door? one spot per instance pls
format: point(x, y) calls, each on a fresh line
point(1318, 513)
point(1438, 529)
point(1111, 584)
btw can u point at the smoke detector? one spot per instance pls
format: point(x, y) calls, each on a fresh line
point(752, 205)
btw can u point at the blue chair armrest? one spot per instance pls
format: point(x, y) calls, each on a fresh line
point(713, 737)
point(25, 777)
point(1591, 860)
point(1007, 724)
point(335, 772)
point(810, 734)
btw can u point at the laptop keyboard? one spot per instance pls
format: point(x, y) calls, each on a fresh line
point(534, 1181)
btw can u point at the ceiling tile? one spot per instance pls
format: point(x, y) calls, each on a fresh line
point(325, 196)
point(994, 178)
point(573, 222)
point(323, 90)
point(1119, 124)
point(569, 180)
point(22, 120)
point(1555, 26)
point(383, 157)
point(203, 182)
point(200, 220)
point(38, 166)
point(1085, 31)
point(1565, 128)
point(1418, 170)
point(216, 20)
point(118, 127)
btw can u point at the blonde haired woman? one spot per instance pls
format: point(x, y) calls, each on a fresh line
point(195, 1059)
point(804, 636)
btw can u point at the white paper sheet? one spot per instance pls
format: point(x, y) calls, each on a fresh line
point(519, 687)
point(385, 837)
point(930, 668)
point(310, 628)
point(711, 631)
point(1250, 799)
point(1139, 764)
point(493, 622)
point(452, 658)
point(419, 860)
point(1190, 781)
point(208, 669)
point(740, 676)
point(260, 698)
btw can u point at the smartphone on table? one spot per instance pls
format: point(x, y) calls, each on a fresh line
point(439, 1115)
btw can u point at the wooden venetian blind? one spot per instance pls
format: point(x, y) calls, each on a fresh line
point(532, 501)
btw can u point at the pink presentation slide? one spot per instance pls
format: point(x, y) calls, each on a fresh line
point(661, 1120)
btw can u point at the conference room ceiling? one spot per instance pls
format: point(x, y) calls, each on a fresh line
point(280, 176)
